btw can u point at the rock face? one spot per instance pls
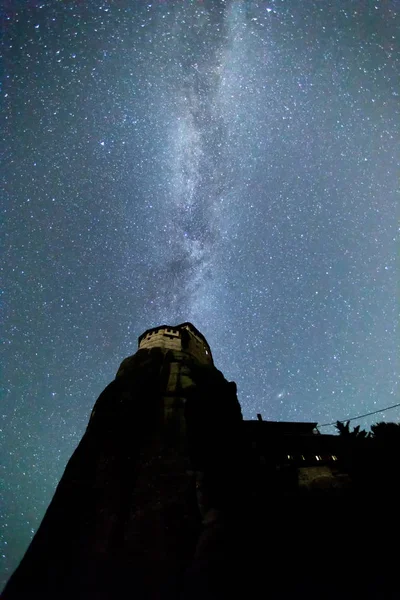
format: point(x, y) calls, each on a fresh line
point(170, 495)
point(126, 514)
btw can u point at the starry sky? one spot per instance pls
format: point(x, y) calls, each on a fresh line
point(231, 163)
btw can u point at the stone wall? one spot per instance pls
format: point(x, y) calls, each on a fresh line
point(177, 338)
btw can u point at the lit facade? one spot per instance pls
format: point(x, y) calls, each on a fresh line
point(184, 337)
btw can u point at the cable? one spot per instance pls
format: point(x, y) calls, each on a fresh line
point(361, 416)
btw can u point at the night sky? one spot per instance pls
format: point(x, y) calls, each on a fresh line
point(233, 164)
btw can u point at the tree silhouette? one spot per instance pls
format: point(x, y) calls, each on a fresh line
point(382, 432)
point(344, 430)
point(389, 432)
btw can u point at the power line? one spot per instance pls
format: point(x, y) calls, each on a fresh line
point(361, 416)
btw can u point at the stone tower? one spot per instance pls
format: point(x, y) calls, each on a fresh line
point(130, 508)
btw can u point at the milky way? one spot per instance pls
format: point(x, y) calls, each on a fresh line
point(234, 164)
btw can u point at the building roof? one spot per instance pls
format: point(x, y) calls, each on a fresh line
point(282, 427)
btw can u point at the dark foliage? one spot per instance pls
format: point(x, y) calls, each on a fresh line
point(386, 431)
point(344, 430)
